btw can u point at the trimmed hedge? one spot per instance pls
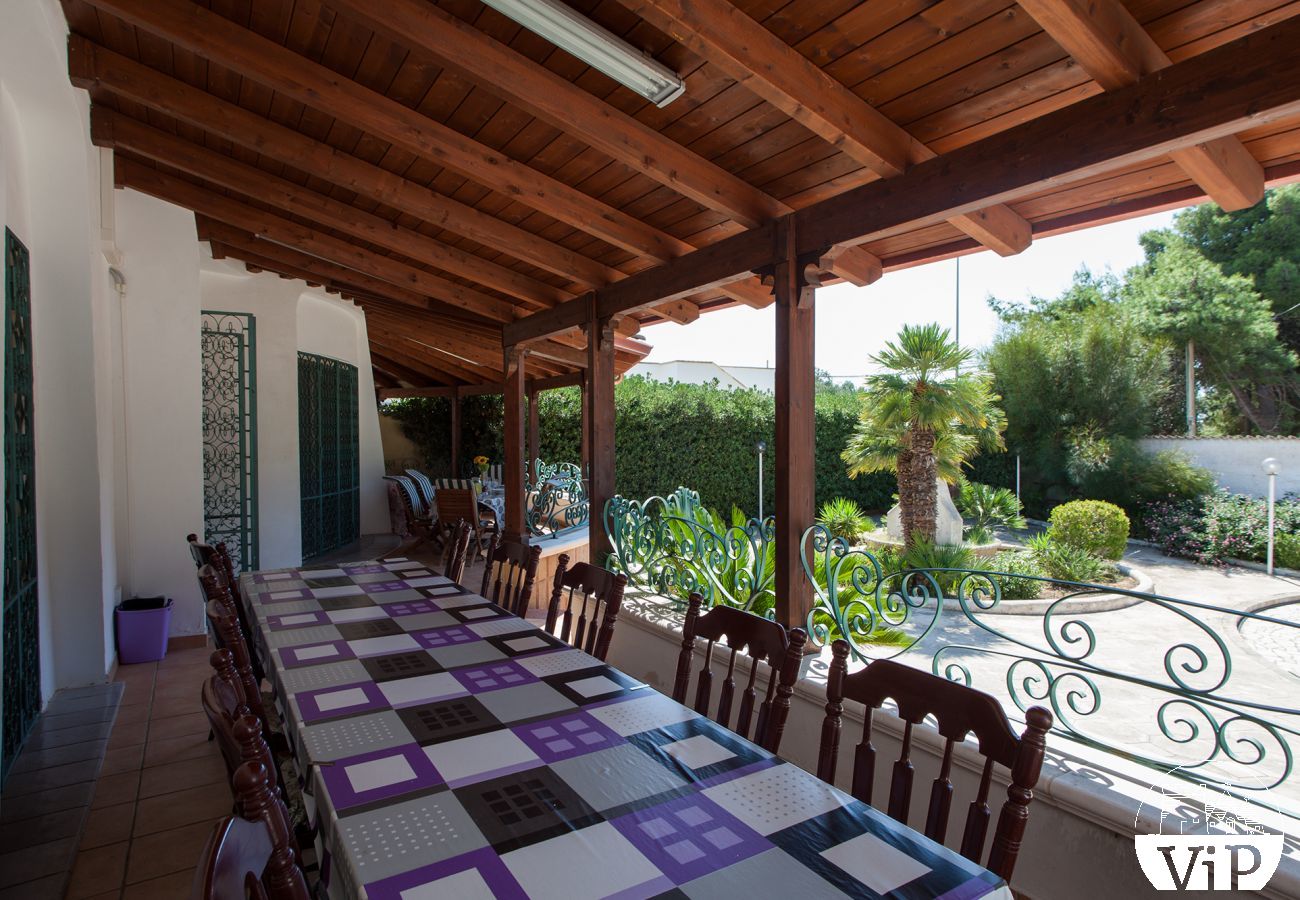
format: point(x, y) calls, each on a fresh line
point(1091, 526)
point(673, 434)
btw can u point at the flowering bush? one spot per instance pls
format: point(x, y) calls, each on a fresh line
point(1219, 526)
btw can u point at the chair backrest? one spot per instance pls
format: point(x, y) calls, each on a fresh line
point(217, 586)
point(203, 554)
point(423, 485)
point(251, 855)
point(460, 484)
point(959, 711)
point(762, 640)
point(411, 499)
point(457, 552)
point(600, 596)
point(515, 565)
point(456, 505)
point(226, 633)
point(223, 700)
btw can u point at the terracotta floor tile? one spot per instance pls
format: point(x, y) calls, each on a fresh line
point(28, 805)
point(41, 829)
point(126, 734)
point(114, 789)
point(179, 726)
point(48, 888)
point(108, 825)
point(31, 863)
point(136, 713)
point(168, 887)
point(162, 708)
point(124, 759)
point(190, 656)
point(137, 692)
point(155, 814)
point(179, 776)
point(177, 850)
point(164, 750)
point(97, 870)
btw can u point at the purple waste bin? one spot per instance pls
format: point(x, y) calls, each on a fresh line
point(142, 624)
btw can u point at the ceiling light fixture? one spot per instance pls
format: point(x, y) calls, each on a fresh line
point(595, 46)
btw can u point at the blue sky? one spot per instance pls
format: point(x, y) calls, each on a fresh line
point(853, 323)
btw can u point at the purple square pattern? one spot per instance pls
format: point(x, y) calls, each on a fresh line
point(493, 676)
point(344, 794)
point(566, 736)
point(490, 868)
point(410, 608)
point(445, 637)
point(301, 620)
point(690, 836)
point(364, 570)
point(295, 657)
point(312, 711)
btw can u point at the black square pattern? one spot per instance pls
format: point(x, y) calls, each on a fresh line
point(327, 581)
point(485, 612)
point(522, 642)
point(356, 601)
point(400, 665)
point(356, 631)
point(433, 723)
point(653, 742)
point(587, 686)
point(516, 810)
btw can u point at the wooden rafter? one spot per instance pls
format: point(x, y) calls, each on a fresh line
point(565, 105)
point(1252, 81)
point(719, 32)
point(1115, 50)
point(173, 189)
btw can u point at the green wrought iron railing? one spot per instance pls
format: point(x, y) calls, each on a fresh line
point(1204, 690)
point(557, 498)
point(675, 546)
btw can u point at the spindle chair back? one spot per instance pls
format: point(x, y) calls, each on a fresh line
point(515, 566)
point(599, 597)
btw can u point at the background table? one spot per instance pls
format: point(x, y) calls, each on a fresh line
point(457, 751)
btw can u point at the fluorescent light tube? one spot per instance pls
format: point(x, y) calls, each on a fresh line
point(598, 48)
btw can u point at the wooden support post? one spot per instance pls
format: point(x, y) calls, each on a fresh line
point(534, 435)
point(455, 432)
point(513, 528)
point(600, 430)
point(795, 425)
point(585, 453)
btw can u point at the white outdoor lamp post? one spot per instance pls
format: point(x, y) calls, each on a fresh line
point(1271, 468)
point(761, 447)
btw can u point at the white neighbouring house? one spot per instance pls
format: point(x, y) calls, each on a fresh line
point(694, 371)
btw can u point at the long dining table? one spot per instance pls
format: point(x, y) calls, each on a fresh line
point(453, 750)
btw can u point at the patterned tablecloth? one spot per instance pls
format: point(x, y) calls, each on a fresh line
point(457, 751)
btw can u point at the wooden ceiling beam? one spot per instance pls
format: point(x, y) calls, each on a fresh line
point(273, 65)
point(1115, 50)
point(401, 349)
point(415, 378)
point(112, 129)
point(717, 31)
point(1249, 82)
point(462, 352)
point(133, 174)
point(566, 106)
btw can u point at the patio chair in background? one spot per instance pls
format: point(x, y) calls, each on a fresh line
point(457, 505)
point(425, 488)
point(764, 641)
point(420, 527)
point(516, 569)
point(959, 711)
point(457, 551)
point(599, 590)
point(253, 848)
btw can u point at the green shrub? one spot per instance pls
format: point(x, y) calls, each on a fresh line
point(1220, 526)
point(844, 519)
point(1286, 553)
point(1091, 526)
point(988, 507)
point(1013, 563)
point(1066, 562)
point(928, 556)
point(1133, 478)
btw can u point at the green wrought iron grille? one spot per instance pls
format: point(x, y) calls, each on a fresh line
point(229, 342)
point(329, 453)
point(20, 691)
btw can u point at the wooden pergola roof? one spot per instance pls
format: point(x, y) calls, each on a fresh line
point(455, 174)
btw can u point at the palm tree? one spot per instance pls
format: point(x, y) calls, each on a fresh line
point(922, 421)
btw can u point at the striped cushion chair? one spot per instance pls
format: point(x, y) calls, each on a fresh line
point(459, 484)
point(411, 494)
point(424, 486)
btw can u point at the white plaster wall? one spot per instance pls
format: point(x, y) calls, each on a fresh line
point(336, 328)
point(50, 200)
point(1235, 462)
point(161, 369)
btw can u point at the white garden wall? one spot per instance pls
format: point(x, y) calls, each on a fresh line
point(1235, 461)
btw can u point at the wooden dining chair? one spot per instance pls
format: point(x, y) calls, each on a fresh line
point(224, 702)
point(251, 854)
point(599, 595)
point(227, 636)
point(457, 552)
point(456, 505)
point(959, 711)
point(217, 588)
point(762, 640)
point(515, 565)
